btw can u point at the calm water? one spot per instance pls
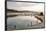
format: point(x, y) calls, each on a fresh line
point(21, 22)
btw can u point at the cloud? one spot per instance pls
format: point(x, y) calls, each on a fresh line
point(25, 6)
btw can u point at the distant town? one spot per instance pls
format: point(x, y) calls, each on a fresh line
point(23, 13)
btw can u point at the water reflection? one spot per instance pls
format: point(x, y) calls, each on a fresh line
point(21, 22)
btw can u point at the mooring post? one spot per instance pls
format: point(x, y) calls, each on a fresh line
point(31, 24)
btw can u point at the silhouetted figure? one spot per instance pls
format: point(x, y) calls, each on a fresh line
point(15, 26)
point(41, 13)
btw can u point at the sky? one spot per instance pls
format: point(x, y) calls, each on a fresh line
point(20, 6)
